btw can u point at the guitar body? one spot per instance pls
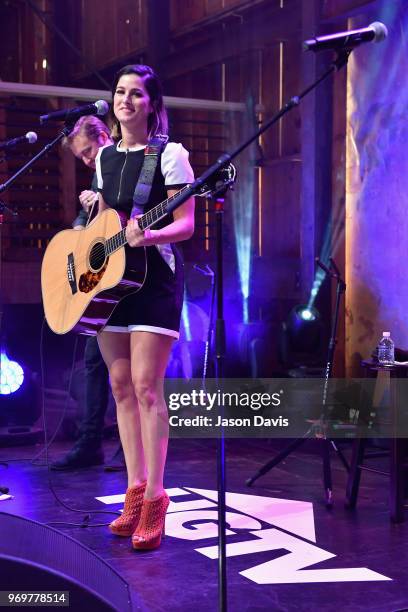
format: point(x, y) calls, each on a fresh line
point(80, 285)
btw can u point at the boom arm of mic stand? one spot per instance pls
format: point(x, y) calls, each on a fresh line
point(334, 266)
point(334, 273)
point(323, 266)
point(4, 208)
point(65, 131)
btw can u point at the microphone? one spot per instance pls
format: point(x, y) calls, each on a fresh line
point(100, 107)
point(30, 137)
point(375, 32)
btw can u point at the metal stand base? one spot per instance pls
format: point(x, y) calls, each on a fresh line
point(326, 445)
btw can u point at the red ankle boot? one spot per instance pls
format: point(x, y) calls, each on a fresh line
point(149, 532)
point(126, 524)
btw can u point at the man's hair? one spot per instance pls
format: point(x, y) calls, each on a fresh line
point(89, 126)
point(157, 122)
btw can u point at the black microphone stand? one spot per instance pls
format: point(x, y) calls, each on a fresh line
point(66, 130)
point(220, 351)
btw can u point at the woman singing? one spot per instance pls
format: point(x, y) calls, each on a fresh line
point(137, 340)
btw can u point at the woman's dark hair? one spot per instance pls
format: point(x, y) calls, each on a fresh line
point(157, 122)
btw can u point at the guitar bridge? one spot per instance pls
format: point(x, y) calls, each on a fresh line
point(71, 273)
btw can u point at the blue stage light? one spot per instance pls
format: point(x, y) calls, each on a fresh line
point(244, 207)
point(11, 375)
point(306, 313)
point(19, 402)
point(302, 339)
point(185, 318)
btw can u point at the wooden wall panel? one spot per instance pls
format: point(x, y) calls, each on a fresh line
point(21, 282)
point(112, 30)
point(332, 9)
point(212, 7)
point(186, 12)
point(216, 6)
point(191, 12)
point(280, 195)
point(131, 25)
point(290, 87)
point(9, 36)
point(25, 42)
point(36, 37)
point(270, 98)
point(99, 42)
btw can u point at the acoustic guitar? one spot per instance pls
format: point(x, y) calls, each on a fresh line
point(86, 273)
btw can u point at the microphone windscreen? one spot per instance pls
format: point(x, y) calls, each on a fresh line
point(31, 137)
point(102, 107)
point(380, 31)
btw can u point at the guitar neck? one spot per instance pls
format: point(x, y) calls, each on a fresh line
point(153, 216)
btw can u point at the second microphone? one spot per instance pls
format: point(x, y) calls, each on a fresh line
point(71, 115)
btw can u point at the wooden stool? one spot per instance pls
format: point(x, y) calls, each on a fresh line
point(397, 452)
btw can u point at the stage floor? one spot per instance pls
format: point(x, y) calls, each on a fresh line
point(286, 550)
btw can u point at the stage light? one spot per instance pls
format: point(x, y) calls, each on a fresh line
point(243, 214)
point(302, 338)
point(307, 314)
point(303, 325)
point(243, 200)
point(19, 394)
point(185, 318)
point(11, 375)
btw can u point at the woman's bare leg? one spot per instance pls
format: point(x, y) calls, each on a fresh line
point(115, 349)
point(150, 354)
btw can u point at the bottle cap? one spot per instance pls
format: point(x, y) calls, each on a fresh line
point(386, 334)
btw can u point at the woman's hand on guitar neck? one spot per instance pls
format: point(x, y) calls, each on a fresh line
point(137, 237)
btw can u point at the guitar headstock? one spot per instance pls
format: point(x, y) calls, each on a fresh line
point(222, 180)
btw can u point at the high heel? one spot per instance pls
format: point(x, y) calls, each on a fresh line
point(126, 524)
point(151, 524)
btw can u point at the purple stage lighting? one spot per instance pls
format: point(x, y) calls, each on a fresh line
point(19, 402)
point(11, 375)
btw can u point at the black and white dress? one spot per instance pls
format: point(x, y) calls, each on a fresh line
point(157, 306)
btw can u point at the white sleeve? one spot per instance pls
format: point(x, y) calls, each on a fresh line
point(99, 179)
point(98, 170)
point(175, 165)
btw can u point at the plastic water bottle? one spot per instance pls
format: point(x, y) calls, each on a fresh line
point(386, 349)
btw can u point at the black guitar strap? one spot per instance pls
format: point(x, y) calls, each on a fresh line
point(153, 149)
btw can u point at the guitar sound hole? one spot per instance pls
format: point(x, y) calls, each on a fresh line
point(97, 256)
